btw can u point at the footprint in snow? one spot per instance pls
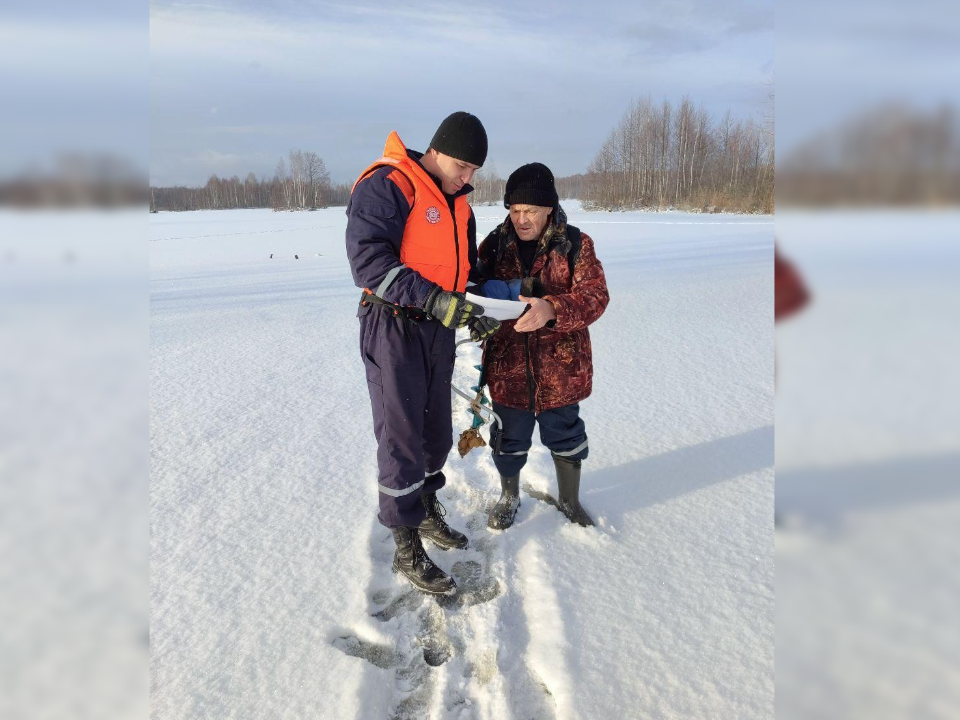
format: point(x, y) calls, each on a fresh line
point(383, 656)
point(473, 587)
point(380, 597)
point(400, 605)
point(433, 637)
point(432, 632)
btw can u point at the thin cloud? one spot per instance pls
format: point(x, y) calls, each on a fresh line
point(215, 158)
point(337, 78)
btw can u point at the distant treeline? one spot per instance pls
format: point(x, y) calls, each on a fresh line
point(305, 185)
point(663, 156)
point(890, 155)
point(74, 180)
point(659, 156)
point(489, 187)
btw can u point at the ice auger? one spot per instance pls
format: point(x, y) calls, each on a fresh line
point(479, 406)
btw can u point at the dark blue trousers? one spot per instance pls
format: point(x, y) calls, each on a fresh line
point(409, 367)
point(561, 430)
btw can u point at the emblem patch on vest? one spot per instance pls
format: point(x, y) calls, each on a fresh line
point(433, 215)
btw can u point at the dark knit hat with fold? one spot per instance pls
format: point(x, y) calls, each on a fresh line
point(461, 136)
point(531, 184)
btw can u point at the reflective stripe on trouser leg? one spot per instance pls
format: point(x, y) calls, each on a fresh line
point(568, 453)
point(400, 493)
point(413, 488)
point(564, 432)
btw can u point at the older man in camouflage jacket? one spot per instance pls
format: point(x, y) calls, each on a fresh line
point(539, 367)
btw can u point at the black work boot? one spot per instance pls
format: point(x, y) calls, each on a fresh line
point(568, 483)
point(435, 529)
point(503, 513)
point(411, 560)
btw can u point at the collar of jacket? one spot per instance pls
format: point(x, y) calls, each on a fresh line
point(395, 152)
point(417, 158)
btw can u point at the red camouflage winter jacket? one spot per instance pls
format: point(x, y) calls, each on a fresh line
point(790, 292)
point(553, 366)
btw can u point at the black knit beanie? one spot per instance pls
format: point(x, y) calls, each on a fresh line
point(531, 184)
point(461, 136)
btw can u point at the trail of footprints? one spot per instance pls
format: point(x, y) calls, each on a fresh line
point(424, 640)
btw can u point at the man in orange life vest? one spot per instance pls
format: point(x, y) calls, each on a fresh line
point(411, 241)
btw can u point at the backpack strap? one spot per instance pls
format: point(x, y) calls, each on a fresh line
point(574, 237)
point(496, 249)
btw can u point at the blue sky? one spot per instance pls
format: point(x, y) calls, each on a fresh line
point(235, 85)
point(192, 89)
point(73, 79)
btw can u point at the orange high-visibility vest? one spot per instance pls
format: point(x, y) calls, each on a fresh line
point(434, 242)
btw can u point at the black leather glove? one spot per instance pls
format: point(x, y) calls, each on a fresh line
point(452, 309)
point(482, 327)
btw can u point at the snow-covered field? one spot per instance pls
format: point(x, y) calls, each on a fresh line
point(272, 595)
point(868, 468)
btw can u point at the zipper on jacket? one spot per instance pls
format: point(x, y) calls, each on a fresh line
point(531, 383)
